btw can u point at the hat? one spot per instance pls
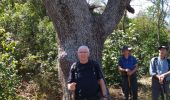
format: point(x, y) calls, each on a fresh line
point(163, 47)
point(126, 48)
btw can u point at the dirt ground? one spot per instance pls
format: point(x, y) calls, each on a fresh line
point(144, 90)
point(29, 91)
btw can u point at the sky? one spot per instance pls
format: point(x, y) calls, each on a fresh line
point(139, 5)
point(136, 4)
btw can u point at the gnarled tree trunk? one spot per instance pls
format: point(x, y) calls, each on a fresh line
point(76, 25)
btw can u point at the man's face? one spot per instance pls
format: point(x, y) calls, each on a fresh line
point(126, 52)
point(163, 53)
point(83, 54)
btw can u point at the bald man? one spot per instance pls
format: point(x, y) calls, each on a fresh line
point(85, 77)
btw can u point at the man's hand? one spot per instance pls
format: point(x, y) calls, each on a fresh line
point(72, 86)
point(129, 72)
point(122, 69)
point(161, 78)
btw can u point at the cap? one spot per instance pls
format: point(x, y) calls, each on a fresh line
point(126, 48)
point(163, 47)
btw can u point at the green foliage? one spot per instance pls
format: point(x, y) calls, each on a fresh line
point(36, 48)
point(140, 34)
point(9, 80)
point(29, 47)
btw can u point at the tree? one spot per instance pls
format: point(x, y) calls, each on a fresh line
point(161, 8)
point(76, 25)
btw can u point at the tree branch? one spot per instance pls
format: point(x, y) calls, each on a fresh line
point(113, 14)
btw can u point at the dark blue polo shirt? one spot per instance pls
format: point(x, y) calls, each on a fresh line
point(129, 63)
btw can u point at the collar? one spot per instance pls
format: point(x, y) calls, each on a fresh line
point(128, 57)
point(162, 59)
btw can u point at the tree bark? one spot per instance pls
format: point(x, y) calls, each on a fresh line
point(76, 25)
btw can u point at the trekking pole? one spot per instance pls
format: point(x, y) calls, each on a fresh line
point(72, 95)
point(129, 85)
point(129, 81)
point(163, 91)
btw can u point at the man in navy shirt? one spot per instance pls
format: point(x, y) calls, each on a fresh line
point(128, 66)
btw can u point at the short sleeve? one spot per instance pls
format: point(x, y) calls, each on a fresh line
point(71, 77)
point(120, 62)
point(152, 68)
point(98, 71)
point(135, 61)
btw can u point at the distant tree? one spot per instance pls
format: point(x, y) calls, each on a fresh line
point(161, 10)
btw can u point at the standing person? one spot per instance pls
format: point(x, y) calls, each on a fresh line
point(128, 67)
point(159, 70)
point(85, 77)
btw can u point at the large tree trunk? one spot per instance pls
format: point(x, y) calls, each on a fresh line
point(76, 25)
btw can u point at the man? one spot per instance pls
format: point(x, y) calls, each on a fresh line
point(159, 70)
point(85, 77)
point(128, 66)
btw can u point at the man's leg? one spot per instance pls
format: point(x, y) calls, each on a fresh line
point(125, 87)
point(155, 89)
point(134, 87)
point(167, 90)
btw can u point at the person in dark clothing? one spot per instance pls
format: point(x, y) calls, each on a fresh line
point(128, 66)
point(85, 78)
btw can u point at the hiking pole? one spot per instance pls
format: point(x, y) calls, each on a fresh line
point(129, 85)
point(72, 95)
point(129, 81)
point(163, 91)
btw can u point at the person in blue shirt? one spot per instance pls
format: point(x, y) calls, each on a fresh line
point(128, 66)
point(159, 71)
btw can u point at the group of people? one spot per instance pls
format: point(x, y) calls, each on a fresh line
point(86, 80)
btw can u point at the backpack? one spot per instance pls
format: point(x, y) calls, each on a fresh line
point(86, 79)
point(156, 62)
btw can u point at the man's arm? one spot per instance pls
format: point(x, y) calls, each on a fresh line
point(101, 81)
point(71, 79)
point(120, 66)
point(134, 70)
point(163, 76)
point(103, 87)
point(121, 69)
point(152, 68)
point(167, 73)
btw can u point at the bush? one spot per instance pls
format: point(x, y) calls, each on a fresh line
point(9, 80)
point(143, 41)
